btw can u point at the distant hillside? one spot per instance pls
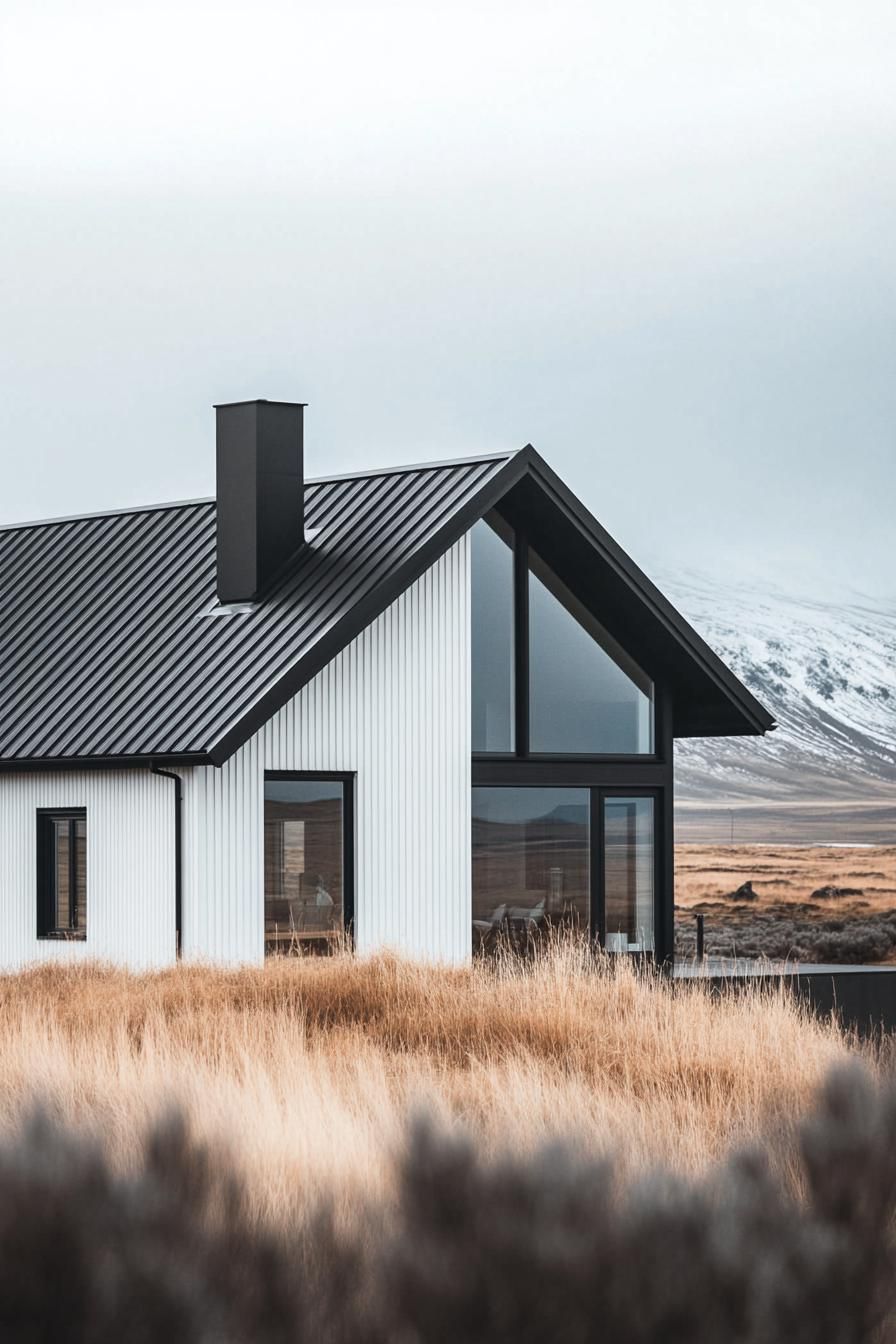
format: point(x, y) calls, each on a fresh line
point(826, 670)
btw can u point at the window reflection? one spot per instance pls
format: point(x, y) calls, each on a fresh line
point(62, 874)
point(531, 862)
point(303, 864)
point(492, 635)
point(70, 848)
point(629, 874)
point(585, 693)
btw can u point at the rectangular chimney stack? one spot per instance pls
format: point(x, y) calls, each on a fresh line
point(260, 493)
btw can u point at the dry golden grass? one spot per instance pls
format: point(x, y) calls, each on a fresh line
point(308, 1068)
point(785, 873)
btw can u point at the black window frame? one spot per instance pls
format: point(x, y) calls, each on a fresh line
point(598, 792)
point(520, 545)
point(47, 903)
point(634, 774)
point(347, 778)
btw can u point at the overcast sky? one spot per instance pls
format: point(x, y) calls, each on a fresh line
point(656, 239)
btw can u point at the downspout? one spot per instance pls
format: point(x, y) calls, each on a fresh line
point(178, 863)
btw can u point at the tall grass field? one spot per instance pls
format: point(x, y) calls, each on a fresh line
point(558, 1148)
point(308, 1069)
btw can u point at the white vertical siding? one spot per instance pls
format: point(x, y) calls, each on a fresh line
point(393, 707)
point(223, 900)
point(130, 865)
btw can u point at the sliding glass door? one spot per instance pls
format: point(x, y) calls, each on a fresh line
point(570, 858)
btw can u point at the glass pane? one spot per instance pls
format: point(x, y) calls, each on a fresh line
point(492, 636)
point(531, 862)
point(62, 872)
point(585, 694)
point(303, 859)
point(628, 874)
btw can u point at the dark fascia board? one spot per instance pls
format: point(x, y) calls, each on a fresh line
point(526, 461)
point(373, 605)
point(142, 762)
point(758, 719)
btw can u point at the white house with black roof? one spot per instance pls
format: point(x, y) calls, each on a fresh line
point(433, 706)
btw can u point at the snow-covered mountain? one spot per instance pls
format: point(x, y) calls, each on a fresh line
point(825, 669)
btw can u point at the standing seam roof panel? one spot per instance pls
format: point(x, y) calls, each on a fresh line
point(311, 605)
point(195, 650)
point(115, 618)
point(106, 647)
point(94, 625)
point(338, 590)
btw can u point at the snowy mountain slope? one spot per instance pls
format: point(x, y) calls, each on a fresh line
point(826, 670)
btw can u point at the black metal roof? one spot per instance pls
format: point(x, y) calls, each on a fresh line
point(109, 651)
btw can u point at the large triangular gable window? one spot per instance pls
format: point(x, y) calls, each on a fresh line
point(548, 679)
point(586, 695)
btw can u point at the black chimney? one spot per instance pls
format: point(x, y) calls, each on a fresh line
point(260, 493)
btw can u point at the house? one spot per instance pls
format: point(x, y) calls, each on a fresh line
point(429, 704)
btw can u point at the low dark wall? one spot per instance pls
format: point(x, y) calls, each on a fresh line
point(863, 997)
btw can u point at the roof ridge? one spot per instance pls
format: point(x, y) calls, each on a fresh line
point(414, 466)
point(398, 470)
point(30, 523)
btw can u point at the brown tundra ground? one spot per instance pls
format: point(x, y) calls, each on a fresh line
point(810, 903)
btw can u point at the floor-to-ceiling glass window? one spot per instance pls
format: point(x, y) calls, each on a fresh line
point(305, 851)
point(560, 711)
point(629, 865)
point(531, 862)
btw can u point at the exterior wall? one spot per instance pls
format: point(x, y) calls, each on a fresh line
point(130, 866)
point(393, 707)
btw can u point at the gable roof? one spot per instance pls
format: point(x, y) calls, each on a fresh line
point(110, 653)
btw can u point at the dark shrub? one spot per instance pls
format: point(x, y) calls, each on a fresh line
point(782, 933)
point(552, 1249)
point(168, 1254)
point(523, 1250)
point(831, 893)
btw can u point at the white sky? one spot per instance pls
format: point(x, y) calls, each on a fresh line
point(655, 239)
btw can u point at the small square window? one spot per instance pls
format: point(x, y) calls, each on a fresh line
point(62, 874)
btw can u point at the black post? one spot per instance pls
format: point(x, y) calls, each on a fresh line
point(700, 919)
